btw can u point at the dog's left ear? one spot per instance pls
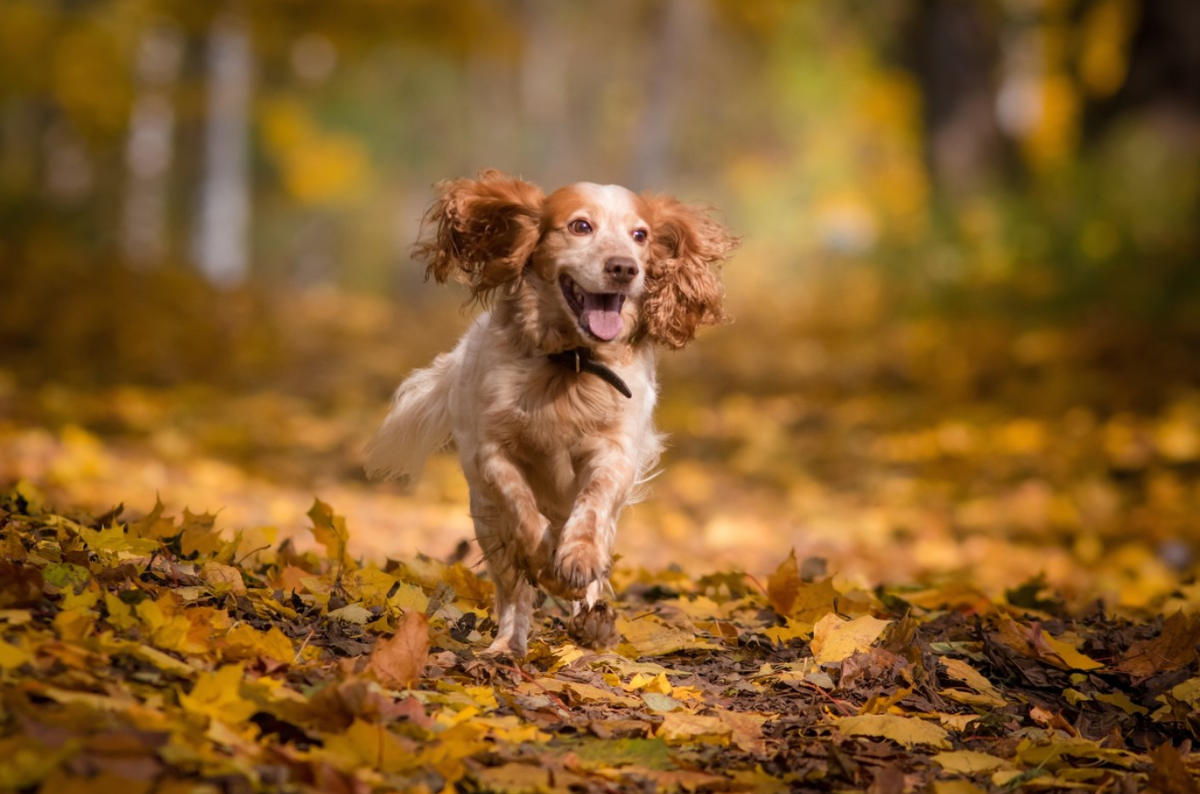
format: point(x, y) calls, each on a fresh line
point(486, 230)
point(683, 283)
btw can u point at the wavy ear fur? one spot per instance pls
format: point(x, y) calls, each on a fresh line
point(683, 282)
point(486, 230)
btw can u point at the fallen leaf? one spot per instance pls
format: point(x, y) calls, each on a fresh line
point(835, 638)
point(1170, 774)
point(968, 762)
point(784, 585)
point(906, 731)
point(329, 529)
point(217, 696)
point(1072, 658)
point(685, 728)
point(659, 702)
point(956, 787)
point(985, 693)
point(1121, 701)
point(649, 636)
point(1173, 648)
point(397, 662)
point(222, 578)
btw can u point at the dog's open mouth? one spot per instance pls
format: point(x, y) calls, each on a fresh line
point(599, 313)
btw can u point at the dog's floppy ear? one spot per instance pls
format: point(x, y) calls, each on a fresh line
point(683, 283)
point(485, 231)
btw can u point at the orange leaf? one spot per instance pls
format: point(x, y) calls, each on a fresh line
point(397, 662)
point(784, 585)
point(330, 530)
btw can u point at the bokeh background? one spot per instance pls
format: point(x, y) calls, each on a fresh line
point(967, 302)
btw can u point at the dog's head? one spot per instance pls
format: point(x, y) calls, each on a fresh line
point(594, 264)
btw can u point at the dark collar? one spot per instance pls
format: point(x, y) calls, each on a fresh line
point(580, 359)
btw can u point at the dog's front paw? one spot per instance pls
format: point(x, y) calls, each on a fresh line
point(579, 563)
point(595, 626)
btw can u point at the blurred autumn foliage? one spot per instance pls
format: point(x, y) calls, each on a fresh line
point(961, 385)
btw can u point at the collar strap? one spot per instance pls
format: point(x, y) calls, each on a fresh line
point(580, 359)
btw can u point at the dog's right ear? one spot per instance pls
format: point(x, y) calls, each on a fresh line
point(486, 230)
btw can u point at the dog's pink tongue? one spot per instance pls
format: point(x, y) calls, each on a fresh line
point(602, 315)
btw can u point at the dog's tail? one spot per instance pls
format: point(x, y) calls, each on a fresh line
point(418, 423)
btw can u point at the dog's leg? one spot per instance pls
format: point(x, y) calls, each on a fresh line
point(513, 609)
point(584, 553)
point(514, 613)
point(529, 542)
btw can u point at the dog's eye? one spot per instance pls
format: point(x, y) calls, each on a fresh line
point(579, 226)
point(639, 236)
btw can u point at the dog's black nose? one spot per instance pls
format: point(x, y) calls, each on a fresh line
point(621, 269)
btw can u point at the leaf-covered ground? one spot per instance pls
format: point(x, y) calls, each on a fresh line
point(154, 654)
point(994, 583)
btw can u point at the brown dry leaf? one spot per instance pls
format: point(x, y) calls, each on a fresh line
point(1170, 775)
point(747, 729)
point(1031, 640)
point(684, 728)
point(222, 578)
point(1052, 720)
point(397, 662)
point(589, 693)
point(1173, 648)
point(784, 585)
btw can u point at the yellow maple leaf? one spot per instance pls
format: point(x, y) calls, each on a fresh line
point(246, 642)
point(217, 695)
point(13, 656)
point(968, 762)
point(153, 524)
point(1073, 659)
point(372, 746)
point(794, 630)
point(370, 586)
point(906, 731)
point(121, 616)
point(114, 540)
point(835, 638)
point(649, 636)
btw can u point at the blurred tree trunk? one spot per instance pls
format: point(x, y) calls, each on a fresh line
point(545, 91)
point(1164, 68)
point(953, 51)
point(149, 146)
point(221, 241)
point(491, 89)
point(680, 25)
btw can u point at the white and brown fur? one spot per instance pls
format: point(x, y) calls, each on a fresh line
point(552, 456)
